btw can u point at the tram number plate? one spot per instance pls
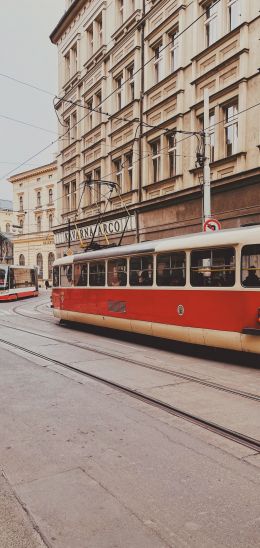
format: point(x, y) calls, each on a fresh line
point(117, 306)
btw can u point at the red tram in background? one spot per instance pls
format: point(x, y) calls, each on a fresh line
point(202, 288)
point(17, 282)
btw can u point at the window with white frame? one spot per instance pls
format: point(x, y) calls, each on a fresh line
point(118, 172)
point(74, 59)
point(89, 117)
point(98, 101)
point(73, 128)
point(67, 66)
point(211, 132)
point(118, 81)
point(157, 52)
point(156, 160)
point(39, 223)
point(131, 83)
point(50, 221)
point(21, 224)
point(50, 196)
point(21, 203)
point(129, 171)
point(174, 49)
point(90, 41)
point(172, 154)
point(211, 23)
point(89, 188)
point(66, 196)
point(73, 195)
point(120, 11)
point(97, 177)
point(99, 26)
point(234, 14)
point(231, 128)
point(38, 199)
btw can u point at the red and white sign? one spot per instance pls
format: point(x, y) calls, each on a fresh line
point(211, 225)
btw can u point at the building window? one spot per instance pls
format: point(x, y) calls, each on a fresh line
point(234, 14)
point(231, 129)
point(51, 259)
point(157, 53)
point(38, 199)
point(50, 196)
point(172, 155)
point(211, 23)
point(129, 171)
point(50, 221)
point(7, 228)
point(74, 59)
point(21, 225)
point(120, 11)
point(156, 160)
point(118, 172)
point(98, 102)
point(131, 84)
point(66, 195)
point(50, 176)
point(118, 81)
point(97, 177)
point(211, 131)
point(21, 203)
point(73, 195)
point(89, 118)
point(67, 66)
point(39, 224)
point(21, 260)
point(90, 42)
point(39, 262)
point(174, 50)
point(99, 23)
point(89, 180)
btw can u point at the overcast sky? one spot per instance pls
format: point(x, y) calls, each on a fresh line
point(27, 54)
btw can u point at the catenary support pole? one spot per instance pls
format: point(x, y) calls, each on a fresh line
point(206, 169)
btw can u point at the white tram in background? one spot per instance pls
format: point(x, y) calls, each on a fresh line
point(17, 282)
point(202, 288)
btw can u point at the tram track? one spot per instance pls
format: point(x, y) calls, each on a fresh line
point(237, 437)
point(177, 374)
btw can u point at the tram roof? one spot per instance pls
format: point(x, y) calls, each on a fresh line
point(233, 236)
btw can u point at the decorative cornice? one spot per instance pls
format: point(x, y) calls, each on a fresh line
point(31, 173)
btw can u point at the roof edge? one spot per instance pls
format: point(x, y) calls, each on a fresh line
point(65, 19)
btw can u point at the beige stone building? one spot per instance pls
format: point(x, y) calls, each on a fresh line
point(6, 230)
point(35, 203)
point(132, 74)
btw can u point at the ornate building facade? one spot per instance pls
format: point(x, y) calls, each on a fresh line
point(35, 203)
point(131, 80)
point(6, 229)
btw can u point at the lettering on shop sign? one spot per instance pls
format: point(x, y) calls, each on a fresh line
point(116, 226)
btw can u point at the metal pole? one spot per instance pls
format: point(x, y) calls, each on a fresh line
point(206, 169)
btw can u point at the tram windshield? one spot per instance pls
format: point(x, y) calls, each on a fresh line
point(2, 277)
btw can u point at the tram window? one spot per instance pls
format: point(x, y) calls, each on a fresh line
point(171, 269)
point(80, 274)
point(56, 276)
point(97, 273)
point(213, 267)
point(250, 265)
point(2, 278)
point(117, 272)
point(66, 275)
point(141, 270)
point(21, 277)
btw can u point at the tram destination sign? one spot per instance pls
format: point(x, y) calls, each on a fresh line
point(86, 232)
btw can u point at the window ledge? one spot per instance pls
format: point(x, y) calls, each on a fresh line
point(221, 161)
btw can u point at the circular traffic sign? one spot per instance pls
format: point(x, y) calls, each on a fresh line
point(211, 225)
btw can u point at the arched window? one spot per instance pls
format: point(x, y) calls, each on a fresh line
point(39, 262)
point(21, 225)
point(21, 260)
point(39, 223)
point(21, 203)
point(50, 196)
point(38, 198)
point(7, 228)
point(50, 221)
point(51, 259)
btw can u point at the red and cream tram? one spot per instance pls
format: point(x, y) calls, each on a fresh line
point(202, 288)
point(17, 282)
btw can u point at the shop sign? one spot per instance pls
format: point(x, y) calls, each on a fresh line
point(109, 228)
